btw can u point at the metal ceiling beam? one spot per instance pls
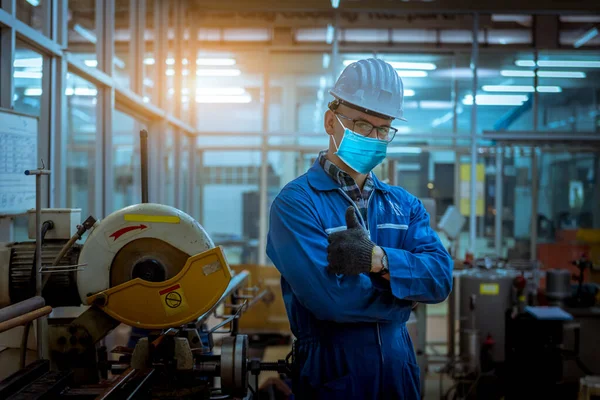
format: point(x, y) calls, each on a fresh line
point(438, 6)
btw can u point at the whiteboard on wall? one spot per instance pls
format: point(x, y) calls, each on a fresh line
point(18, 152)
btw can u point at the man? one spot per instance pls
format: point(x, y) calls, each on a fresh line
point(355, 253)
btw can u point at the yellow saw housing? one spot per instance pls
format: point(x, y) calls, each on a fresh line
point(172, 303)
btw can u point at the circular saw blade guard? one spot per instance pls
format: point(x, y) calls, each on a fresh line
point(122, 245)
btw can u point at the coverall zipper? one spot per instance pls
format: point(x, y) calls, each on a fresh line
point(377, 323)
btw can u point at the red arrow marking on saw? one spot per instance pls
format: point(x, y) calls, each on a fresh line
point(123, 231)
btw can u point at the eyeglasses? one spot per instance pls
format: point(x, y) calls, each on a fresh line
point(362, 127)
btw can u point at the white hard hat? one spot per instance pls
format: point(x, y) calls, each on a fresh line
point(372, 86)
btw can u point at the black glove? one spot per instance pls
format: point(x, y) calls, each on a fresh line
point(350, 252)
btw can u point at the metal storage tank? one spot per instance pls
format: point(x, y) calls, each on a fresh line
point(492, 292)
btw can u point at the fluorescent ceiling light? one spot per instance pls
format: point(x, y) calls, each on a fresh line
point(435, 104)
point(91, 63)
point(146, 99)
point(184, 61)
point(404, 150)
point(517, 73)
point(326, 60)
point(335, 3)
point(517, 88)
point(329, 34)
point(569, 64)
point(81, 91)
point(226, 91)
point(443, 119)
point(542, 74)
point(402, 65)
point(412, 65)
point(589, 35)
point(170, 72)
point(28, 74)
point(35, 62)
point(561, 74)
point(224, 99)
point(409, 93)
point(85, 33)
point(559, 63)
point(170, 61)
point(149, 61)
point(34, 3)
point(148, 82)
point(118, 62)
point(216, 62)
point(403, 129)
point(411, 74)
point(525, 63)
point(218, 72)
point(495, 100)
point(185, 72)
point(33, 92)
point(549, 89)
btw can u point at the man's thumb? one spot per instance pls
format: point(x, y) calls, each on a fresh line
point(351, 221)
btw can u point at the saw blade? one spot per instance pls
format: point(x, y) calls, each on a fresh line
point(147, 258)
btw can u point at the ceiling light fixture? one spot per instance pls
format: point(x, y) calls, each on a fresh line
point(28, 74)
point(559, 63)
point(514, 73)
point(216, 62)
point(495, 100)
point(517, 88)
point(404, 150)
point(35, 62)
point(218, 72)
point(561, 74)
point(226, 91)
point(409, 93)
point(33, 92)
point(411, 74)
point(402, 65)
point(224, 99)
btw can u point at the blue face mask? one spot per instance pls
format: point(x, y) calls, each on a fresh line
point(360, 153)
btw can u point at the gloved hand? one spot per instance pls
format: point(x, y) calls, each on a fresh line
point(350, 252)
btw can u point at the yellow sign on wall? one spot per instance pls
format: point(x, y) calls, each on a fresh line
point(465, 189)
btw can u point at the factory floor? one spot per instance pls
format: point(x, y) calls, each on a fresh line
point(432, 378)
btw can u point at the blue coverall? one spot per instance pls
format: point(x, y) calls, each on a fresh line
point(352, 341)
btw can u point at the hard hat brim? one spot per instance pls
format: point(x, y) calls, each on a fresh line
point(374, 113)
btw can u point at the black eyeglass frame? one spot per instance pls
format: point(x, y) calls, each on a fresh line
point(391, 134)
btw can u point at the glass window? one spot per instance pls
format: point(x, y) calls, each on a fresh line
point(185, 172)
point(569, 102)
point(27, 80)
point(82, 32)
point(426, 174)
point(123, 35)
point(126, 160)
point(81, 143)
point(149, 68)
point(32, 13)
point(569, 200)
point(504, 93)
point(169, 168)
point(230, 210)
point(226, 82)
point(27, 97)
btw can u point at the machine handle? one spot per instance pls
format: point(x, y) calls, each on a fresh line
point(25, 318)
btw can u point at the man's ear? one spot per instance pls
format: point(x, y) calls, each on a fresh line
point(329, 122)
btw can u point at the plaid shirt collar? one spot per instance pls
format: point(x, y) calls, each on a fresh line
point(347, 184)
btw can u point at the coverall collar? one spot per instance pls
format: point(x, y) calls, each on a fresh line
point(319, 180)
